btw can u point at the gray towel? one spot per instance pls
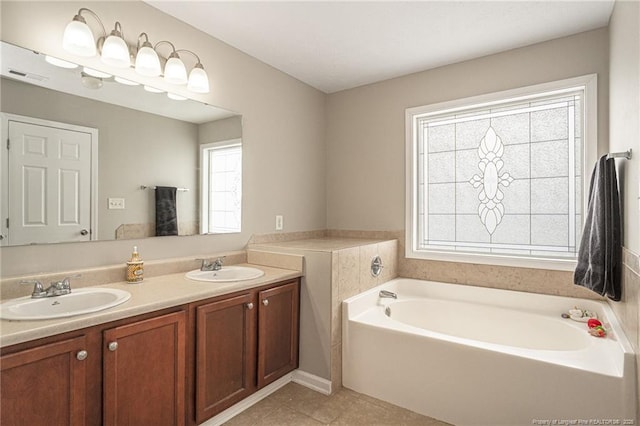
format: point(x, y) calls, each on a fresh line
point(166, 212)
point(599, 258)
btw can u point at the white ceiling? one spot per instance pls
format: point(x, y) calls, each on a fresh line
point(336, 45)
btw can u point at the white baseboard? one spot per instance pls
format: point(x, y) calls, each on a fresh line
point(311, 381)
point(303, 378)
point(254, 398)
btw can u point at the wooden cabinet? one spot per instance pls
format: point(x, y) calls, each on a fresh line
point(144, 372)
point(134, 371)
point(225, 354)
point(242, 344)
point(277, 332)
point(45, 385)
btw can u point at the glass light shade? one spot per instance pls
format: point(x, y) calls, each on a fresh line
point(175, 72)
point(125, 81)
point(96, 73)
point(59, 62)
point(176, 97)
point(198, 80)
point(152, 89)
point(147, 62)
point(115, 52)
point(78, 39)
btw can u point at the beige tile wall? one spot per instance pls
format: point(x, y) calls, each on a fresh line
point(510, 278)
point(628, 309)
point(351, 274)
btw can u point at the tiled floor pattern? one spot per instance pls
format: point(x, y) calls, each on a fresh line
point(296, 405)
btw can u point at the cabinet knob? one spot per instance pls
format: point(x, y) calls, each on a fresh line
point(113, 346)
point(250, 305)
point(82, 355)
point(265, 302)
point(84, 232)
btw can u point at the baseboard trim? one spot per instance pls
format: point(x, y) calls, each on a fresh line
point(303, 378)
point(253, 399)
point(312, 381)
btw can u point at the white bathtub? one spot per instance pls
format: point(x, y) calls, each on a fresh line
point(478, 356)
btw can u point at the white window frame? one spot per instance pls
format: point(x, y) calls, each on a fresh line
point(204, 182)
point(589, 154)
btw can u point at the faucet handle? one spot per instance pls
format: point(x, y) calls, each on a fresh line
point(63, 286)
point(206, 263)
point(38, 290)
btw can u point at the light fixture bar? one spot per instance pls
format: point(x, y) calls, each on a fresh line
point(114, 51)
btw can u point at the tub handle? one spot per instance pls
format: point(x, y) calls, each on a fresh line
point(376, 266)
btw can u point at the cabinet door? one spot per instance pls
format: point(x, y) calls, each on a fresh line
point(277, 332)
point(45, 385)
point(225, 354)
point(144, 372)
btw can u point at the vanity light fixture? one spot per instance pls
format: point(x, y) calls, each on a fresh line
point(59, 62)
point(125, 81)
point(198, 80)
point(174, 70)
point(153, 89)
point(78, 37)
point(114, 51)
point(96, 73)
point(147, 61)
point(176, 97)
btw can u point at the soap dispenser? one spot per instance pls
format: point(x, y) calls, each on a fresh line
point(135, 267)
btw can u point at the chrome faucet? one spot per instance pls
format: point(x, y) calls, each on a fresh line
point(387, 293)
point(209, 265)
point(57, 288)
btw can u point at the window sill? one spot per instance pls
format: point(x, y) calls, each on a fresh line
point(494, 260)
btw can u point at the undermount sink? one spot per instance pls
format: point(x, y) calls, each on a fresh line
point(226, 274)
point(79, 301)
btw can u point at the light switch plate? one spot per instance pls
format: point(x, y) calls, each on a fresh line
point(115, 204)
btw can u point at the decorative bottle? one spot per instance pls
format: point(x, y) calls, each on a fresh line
point(135, 267)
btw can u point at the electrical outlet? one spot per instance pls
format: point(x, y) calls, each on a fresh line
point(279, 222)
point(115, 204)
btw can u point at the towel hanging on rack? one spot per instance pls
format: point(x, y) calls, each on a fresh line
point(166, 211)
point(599, 257)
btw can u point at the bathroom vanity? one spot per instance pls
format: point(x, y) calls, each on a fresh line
point(177, 353)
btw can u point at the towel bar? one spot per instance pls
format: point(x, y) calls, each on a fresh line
point(153, 187)
point(626, 154)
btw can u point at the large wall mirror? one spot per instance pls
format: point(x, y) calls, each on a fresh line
point(86, 154)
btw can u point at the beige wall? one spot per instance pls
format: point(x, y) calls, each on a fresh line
point(283, 132)
point(134, 148)
point(365, 125)
point(624, 121)
point(624, 118)
point(220, 130)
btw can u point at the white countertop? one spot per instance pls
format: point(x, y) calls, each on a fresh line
point(152, 294)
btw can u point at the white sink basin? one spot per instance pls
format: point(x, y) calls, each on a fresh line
point(226, 274)
point(79, 301)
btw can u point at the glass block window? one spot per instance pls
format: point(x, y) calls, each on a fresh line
point(501, 178)
point(221, 187)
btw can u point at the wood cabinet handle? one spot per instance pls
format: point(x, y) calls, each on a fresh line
point(250, 305)
point(82, 355)
point(265, 302)
point(113, 346)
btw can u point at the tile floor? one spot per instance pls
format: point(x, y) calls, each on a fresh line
point(296, 405)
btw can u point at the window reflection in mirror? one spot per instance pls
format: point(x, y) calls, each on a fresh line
point(143, 139)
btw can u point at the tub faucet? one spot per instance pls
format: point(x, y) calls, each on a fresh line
point(209, 265)
point(387, 293)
